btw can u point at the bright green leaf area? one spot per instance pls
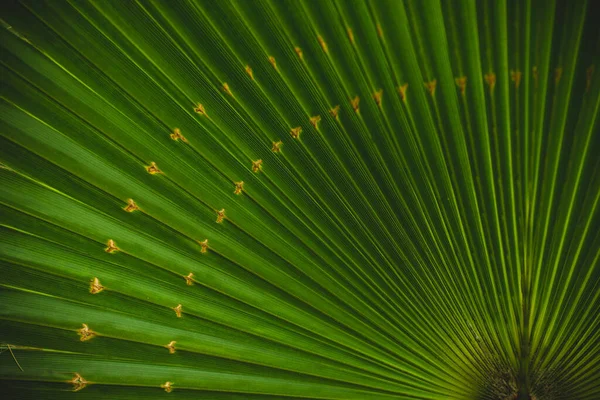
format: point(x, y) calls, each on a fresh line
point(300, 199)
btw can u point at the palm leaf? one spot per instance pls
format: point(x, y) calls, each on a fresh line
point(300, 199)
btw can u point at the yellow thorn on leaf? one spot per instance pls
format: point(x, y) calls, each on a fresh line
point(298, 51)
point(171, 346)
point(314, 121)
point(430, 86)
point(377, 97)
point(168, 386)
point(200, 109)
point(379, 31)
point(153, 169)
point(131, 206)
point(112, 247)
point(490, 79)
point(203, 248)
point(354, 102)
point(220, 215)
point(176, 135)
point(95, 286)
point(323, 44)
point(295, 132)
point(226, 89)
point(257, 166)
point(461, 82)
point(350, 35)
point(178, 310)
point(273, 62)
point(276, 147)
point(78, 382)
point(249, 72)
point(239, 186)
point(557, 75)
point(335, 111)
point(402, 91)
point(189, 279)
point(85, 332)
point(589, 72)
point(515, 76)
